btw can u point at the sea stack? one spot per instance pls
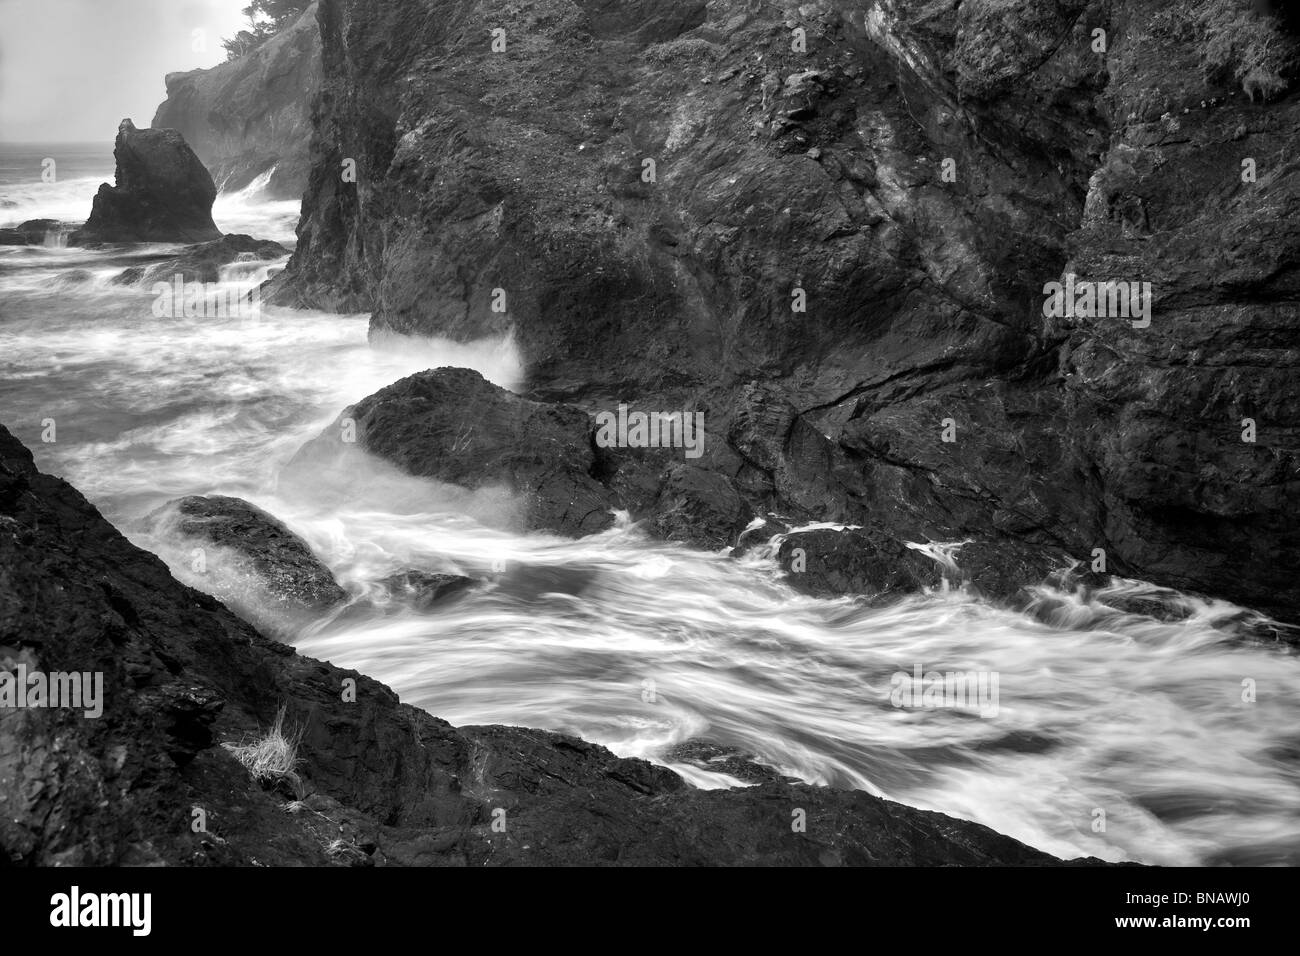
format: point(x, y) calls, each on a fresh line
point(163, 192)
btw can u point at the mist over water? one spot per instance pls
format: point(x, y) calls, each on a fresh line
point(635, 644)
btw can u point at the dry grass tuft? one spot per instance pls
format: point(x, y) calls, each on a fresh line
point(273, 757)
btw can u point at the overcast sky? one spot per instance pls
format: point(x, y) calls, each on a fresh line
point(70, 70)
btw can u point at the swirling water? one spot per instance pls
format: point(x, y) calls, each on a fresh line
point(1101, 716)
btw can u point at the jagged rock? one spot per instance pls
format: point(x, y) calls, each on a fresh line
point(391, 784)
point(798, 461)
point(248, 116)
point(162, 193)
point(279, 558)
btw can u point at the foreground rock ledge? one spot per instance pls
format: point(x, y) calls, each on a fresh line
point(381, 782)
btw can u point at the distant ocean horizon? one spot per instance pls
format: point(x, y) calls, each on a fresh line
point(77, 171)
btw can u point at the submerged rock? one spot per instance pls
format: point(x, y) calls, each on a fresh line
point(203, 262)
point(280, 559)
point(423, 589)
point(162, 193)
point(382, 783)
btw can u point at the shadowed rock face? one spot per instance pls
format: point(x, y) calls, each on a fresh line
point(250, 115)
point(390, 783)
point(920, 174)
point(454, 426)
point(163, 193)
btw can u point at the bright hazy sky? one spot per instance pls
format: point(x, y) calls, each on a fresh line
point(70, 70)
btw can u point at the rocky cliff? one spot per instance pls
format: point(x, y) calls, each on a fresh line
point(153, 775)
point(253, 114)
point(830, 226)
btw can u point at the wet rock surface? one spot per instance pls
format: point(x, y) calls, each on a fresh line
point(279, 558)
point(918, 177)
point(203, 262)
point(453, 425)
point(424, 589)
point(829, 562)
point(162, 193)
point(29, 233)
point(381, 782)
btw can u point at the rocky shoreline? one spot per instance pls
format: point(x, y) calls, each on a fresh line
point(376, 782)
point(829, 233)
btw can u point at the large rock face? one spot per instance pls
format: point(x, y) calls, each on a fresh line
point(252, 115)
point(912, 181)
point(163, 193)
point(378, 782)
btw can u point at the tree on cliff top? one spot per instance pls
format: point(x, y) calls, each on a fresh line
point(266, 18)
point(1251, 42)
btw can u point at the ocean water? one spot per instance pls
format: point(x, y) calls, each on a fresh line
point(59, 181)
point(635, 644)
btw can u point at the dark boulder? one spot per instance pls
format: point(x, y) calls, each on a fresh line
point(381, 782)
point(280, 559)
point(452, 425)
point(163, 193)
